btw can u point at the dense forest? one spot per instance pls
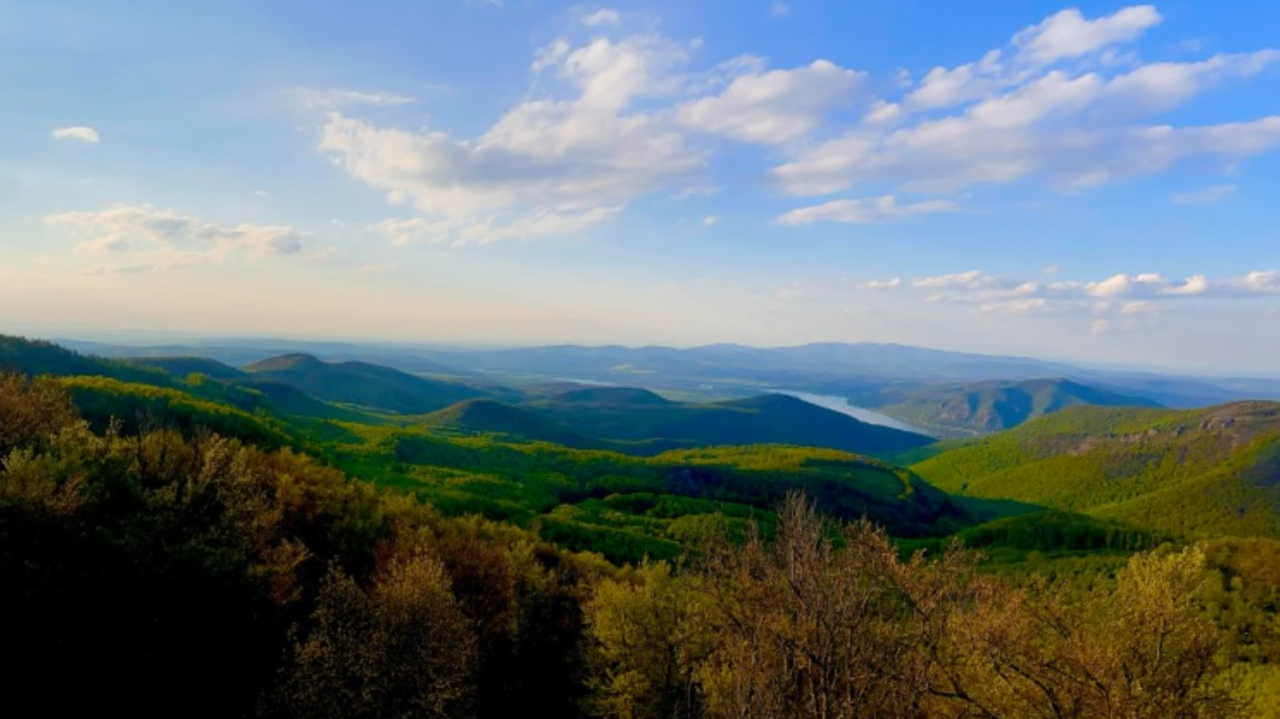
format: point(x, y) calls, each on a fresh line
point(143, 564)
point(181, 523)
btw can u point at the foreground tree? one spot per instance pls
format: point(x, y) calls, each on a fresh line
point(400, 648)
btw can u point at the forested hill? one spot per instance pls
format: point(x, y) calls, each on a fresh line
point(363, 384)
point(968, 409)
point(37, 357)
point(637, 415)
point(1214, 470)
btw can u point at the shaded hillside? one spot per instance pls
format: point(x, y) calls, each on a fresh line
point(362, 384)
point(1214, 470)
point(184, 366)
point(486, 416)
point(632, 415)
point(984, 407)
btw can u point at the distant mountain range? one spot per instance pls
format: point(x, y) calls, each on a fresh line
point(861, 372)
point(620, 419)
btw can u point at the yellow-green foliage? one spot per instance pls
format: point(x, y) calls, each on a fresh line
point(102, 399)
point(1210, 471)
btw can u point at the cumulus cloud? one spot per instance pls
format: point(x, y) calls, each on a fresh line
point(880, 209)
point(146, 238)
point(1069, 34)
point(775, 106)
point(544, 157)
point(1065, 102)
point(561, 163)
point(78, 134)
point(1046, 107)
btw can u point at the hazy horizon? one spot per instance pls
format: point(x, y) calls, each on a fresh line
point(160, 338)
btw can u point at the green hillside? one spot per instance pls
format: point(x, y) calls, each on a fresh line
point(184, 366)
point(637, 415)
point(488, 417)
point(967, 409)
point(1207, 471)
point(362, 384)
point(37, 357)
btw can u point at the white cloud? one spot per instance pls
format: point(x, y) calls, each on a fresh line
point(332, 99)
point(880, 209)
point(1069, 34)
point(539, 223)
point(711, 220)
point(1114, 302)
point(548, 166)
point(602, 17)
point(148, 238)
point(779, 8)
point(1065, 102)
point(775, 106)
point(79, 133)
point(1203, 196)
point(1020, 113)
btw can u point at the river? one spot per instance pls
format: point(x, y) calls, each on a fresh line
point(841, 405)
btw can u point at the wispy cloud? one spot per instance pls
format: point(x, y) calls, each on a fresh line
point(333, 98)
point(602, 17)
point(78, 134)
point(1204, 196)
point(144, 238)
point(880, 209)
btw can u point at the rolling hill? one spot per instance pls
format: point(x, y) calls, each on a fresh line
point(628, 414)
point(489, 417)
point(968, 409)
point(362, 384)
point(1206, 471)
point(184, 366)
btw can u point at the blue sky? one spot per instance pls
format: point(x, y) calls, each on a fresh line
point(1091, 182)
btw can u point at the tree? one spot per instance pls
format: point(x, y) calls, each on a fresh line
point(400, 648)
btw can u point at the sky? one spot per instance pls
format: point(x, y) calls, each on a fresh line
point(1091, 182)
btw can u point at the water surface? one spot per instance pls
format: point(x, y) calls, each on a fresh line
point(841, 405)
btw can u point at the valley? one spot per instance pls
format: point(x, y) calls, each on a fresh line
point(1053, 480)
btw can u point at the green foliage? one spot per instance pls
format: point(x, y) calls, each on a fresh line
point(270, 583)
point(1208, 472)
point(141, 407)
point(963, 410)
point(201, 564)
point(401, 648)
point(362, 384)
point(38, 357)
